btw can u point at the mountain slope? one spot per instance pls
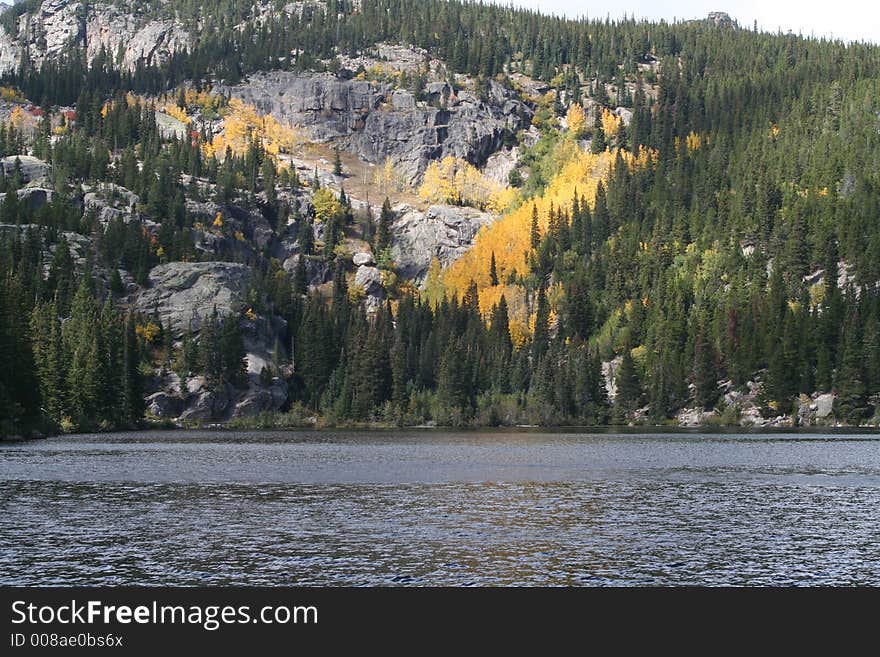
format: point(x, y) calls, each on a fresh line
point(406, 212)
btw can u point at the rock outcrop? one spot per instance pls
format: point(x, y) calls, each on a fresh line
point(363, 259)
point(376, 121)
point(326, 106)
point(33, 169)
point(318, 271)
point(369, 279)
point(720, 18)
point(59, 25)
point(441, 231)
point(110, 202)
point(35, 197)
point(183, 294)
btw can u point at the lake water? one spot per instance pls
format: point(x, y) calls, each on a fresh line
point(435, 508)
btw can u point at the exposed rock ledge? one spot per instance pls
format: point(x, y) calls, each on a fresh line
point(442, 231)
point(183, 294)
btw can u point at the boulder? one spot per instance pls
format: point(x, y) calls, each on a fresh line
point(199, 407)
point(824, 405)
point(164, 405)
point(261, 400)
point(625, 115)
point(370, 279)
point(363, 259)
point(209, 404)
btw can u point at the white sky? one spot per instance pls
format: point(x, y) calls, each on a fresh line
point(850, 20)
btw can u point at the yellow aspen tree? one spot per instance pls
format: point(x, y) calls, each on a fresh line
point(610, 124)
point(576, 120)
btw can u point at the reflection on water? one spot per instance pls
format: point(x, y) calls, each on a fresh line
point(440, 509)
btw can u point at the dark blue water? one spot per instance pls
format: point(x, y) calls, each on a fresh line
point(437, 508)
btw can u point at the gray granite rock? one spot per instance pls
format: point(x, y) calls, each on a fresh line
point(183, 294)
point(442, 231)
point(363, 259)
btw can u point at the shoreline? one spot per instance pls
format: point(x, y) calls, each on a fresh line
point(524, 430)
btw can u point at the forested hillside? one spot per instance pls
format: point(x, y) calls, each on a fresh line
point(408, 212)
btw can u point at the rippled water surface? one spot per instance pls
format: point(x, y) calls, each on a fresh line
point(430, 508)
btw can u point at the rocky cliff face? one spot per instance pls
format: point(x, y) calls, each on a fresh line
point(127, 37)
point(376, 121)
point(371, 119)
point(183, 294)
point(441, 232)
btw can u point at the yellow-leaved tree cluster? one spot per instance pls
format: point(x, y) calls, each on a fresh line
point(576, 120)
point(457, 182)
point(508, 240)
point(611, 123)
point(388, 179)
point(243, 124)
point(175, 111)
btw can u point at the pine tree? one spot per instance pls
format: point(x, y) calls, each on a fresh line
point(493, 272)
point(132, 389)
point(210, 357)
point(383, 231)
point(337, 163)
point(233, 358)
point(300, 277)
point(629, 390)
point(306, 238)
point(598, 143)
point(850, 405)
point(535, 229)
point(541, 332)
point(705, 371)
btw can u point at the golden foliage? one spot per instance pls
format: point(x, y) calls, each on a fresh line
point(176, 112)
point(576, 120)
point(148, 332)
point(457, 182)
point(18, 118)
point(326, 205)
point(438, 184)
point(218, 220)
point(503, 200)
point(434, 290)
point(644, 158)
point(388, 179)
point(611, 123)
point(509, 237)
point(243, 124)
point(11, 95)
